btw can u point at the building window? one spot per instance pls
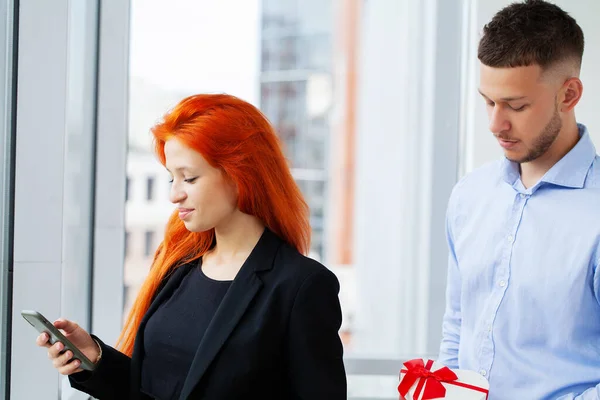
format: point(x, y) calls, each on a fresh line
point(149, 243)
point(126, 243)
point(149, 188)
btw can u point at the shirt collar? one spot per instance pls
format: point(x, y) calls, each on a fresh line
point(569, 171)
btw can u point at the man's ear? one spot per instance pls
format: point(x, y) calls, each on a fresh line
point(570, 94)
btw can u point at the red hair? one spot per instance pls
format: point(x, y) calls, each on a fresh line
point(233, 135)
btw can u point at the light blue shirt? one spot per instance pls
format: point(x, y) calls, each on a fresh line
point(523, 295)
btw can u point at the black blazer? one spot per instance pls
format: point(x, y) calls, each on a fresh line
point(274, 336)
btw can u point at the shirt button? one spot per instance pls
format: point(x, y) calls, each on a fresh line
point(510, 238)
point(489, 329)
point(482, 372)
point(502, 283)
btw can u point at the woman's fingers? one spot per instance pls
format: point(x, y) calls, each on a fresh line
point(54, 350)
point(70, 368)
point(42, 340)
point(62, 359)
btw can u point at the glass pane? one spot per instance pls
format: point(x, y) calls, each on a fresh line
point(298, 61)
point(303, 63)
point(149, 188)
point(226, 63)
point(148, 243)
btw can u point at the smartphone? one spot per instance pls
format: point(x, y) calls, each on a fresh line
point(41, 324)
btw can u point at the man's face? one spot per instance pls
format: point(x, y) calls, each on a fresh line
point(522, 110)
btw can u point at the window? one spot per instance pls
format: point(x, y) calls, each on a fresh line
point(156, 85)
point(148, 243)
point(352, 156)
point(149, 188)
point(126, 244)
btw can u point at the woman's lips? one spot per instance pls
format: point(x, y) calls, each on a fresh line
point(184, 212)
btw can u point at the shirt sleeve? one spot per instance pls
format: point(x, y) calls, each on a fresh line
point(452, 316)
point(590, 394)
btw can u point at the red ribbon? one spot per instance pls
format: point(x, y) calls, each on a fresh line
point(430, 382)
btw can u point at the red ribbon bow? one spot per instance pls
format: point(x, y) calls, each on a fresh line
point(431, 382)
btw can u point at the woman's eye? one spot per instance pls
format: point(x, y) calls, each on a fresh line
point(188, 180)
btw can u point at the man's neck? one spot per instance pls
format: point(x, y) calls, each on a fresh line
point(533, 171)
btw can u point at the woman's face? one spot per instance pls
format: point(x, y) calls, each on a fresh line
point(202, 193)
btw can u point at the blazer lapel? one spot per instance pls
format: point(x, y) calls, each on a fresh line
point(165, 291)
point(241, 292)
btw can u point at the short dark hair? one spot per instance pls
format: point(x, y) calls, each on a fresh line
point(532, 32)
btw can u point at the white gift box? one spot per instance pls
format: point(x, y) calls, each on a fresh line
point(422, 379)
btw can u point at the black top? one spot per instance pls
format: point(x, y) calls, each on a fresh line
point(275, 336)
point(173, 332)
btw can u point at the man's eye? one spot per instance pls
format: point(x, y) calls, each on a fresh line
point(518, 108)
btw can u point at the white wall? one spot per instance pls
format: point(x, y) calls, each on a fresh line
point(479, 144)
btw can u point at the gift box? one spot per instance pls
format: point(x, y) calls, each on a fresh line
point(426, 380)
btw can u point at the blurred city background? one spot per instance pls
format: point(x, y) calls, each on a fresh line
point(375, 102)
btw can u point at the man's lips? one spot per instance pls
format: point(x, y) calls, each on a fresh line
point(507, 143)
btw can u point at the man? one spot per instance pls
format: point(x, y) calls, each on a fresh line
point(523, 295)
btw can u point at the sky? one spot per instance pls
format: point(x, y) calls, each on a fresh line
point(192, 46)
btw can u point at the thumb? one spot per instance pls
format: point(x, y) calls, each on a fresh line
point(67, 326)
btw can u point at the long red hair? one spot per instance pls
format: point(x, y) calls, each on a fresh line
point(233, 135)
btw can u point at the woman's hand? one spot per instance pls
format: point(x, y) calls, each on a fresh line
point(64, 362)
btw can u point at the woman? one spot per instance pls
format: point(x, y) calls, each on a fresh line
point(231, 308)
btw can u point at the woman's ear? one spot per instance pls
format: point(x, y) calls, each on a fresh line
point(233, 186)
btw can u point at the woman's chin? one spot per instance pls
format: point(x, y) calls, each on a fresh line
point(196, 227)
